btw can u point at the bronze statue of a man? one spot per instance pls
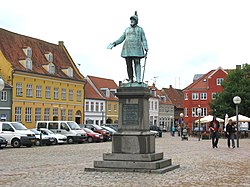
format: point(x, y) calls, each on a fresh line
point(133, 48)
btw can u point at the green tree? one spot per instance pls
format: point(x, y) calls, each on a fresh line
point(236, 83)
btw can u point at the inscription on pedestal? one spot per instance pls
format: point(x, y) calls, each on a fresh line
point(130, 114)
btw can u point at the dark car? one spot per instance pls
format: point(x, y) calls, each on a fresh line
point(96, 128)
point(156, 128)
point(3, 142)
point(93, 136)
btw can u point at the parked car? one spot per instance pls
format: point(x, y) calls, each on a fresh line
point(156, 133)
point(109, 129)
point(113, 126)
point(59, 138)
point(156, 128)
point(68, 128)
point(93, 136)
point(42, 139)
point(3, 142)
point(98, 129)
point(17, 134)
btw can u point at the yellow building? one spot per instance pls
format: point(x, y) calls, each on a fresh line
point(46, 83)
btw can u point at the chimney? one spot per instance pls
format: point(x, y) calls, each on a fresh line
point(170, 86)
point(238, 66)
point(61, 43)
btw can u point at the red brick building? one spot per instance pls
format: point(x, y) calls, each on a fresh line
point(200, 93)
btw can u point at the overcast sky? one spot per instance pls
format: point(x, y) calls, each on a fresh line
point(185, 37)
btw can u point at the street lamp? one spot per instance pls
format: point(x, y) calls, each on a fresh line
point(199, 115)
point(237, 101)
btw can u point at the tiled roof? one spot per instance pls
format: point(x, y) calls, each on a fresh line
point(91, 93)
point(12, 45)
point(175, 95)
point(104, 83)
point(202, 82)
point(162, 93)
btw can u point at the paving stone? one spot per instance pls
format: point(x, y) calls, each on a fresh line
point(63, 165)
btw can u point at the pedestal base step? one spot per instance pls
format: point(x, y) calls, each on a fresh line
point(155, 171)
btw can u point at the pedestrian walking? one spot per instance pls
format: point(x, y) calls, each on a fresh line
point(230, 133)
point(173, 130)
point(214, 129)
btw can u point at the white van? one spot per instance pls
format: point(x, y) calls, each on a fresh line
point(68, 128)
point(17, 134)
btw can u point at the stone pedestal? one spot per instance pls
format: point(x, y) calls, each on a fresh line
point(133, 146)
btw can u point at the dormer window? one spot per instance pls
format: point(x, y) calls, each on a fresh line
point(52, 68)
point(28, 52)
point(28, 63)
point(49, 57)
point(68, 72)
point(105, 92)
point(113, 91)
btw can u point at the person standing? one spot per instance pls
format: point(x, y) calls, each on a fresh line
point(214, 129)
point(135, 44)
point(230, 130)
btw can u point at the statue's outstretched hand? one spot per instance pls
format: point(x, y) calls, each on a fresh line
point(111, 45)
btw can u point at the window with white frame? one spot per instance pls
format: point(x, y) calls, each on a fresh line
point(87, 106)
point(109, 107)
point(56, 93)
point(50, 57)
point(115, 108)
point(214, 94)
point(195, 96)
point(71, 95)
point(79, 95)
point(203, 96)
point(46, 114)
point(47, 92)
point(156, 105)
point(63, 114)
point(28, 64)
point(38, 113)
point(18, 114)
point(219, 81)
point(186, 112)
point(38, 91)
point(29, 90)
point(70, 115)
point(203, 111)
point(101, 107)
point(63, 94)
point(186, 96)
point(55, 112)
point(194, 112)
point(92, 104)
point(19, 89)
point(52, 68)
point(28, 114)
point(97, 106)
point(70, 72)
point(3, 96)
point(28, 52)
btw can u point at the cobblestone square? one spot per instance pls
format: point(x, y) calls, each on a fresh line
point(63, 165)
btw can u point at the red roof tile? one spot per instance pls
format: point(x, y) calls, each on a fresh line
point(104, 83)
point(175, 95)
point(12, 45)
point(91, 93)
